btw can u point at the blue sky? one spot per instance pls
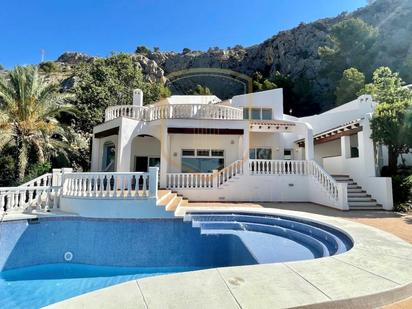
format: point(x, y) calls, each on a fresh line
point(99, 27)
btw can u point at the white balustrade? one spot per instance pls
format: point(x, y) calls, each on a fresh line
point(174, 111)
point(300, 168)
point(278, 167)
point(230, 171)
point(189, 180)
point(203, 180)
point(108, 185)
point(20, 199)
point(41, 181)
point(327, 182)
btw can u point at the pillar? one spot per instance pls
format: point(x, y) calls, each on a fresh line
point(245, 151)
point(153, 181)
point(164, 156)
point(309, 146)
point(124, 146)
point(96, 155)
point(345, 147)
point(366, 149)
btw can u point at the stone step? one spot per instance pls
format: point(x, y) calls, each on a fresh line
point(360, 199)
point(164, 201)
point(377, 207)
point(349, 180)
point(172, 205)
point(362, 204)
point(356, 190)
point(358, 194)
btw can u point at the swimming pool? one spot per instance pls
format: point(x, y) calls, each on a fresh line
point(50, 259)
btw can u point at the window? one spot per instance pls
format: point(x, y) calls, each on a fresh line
point(205, 160)
point(203, 153)
point(188, 152)
point(257, 113)
point(109, 152)
point(260, 153)
point(266, 113)
point(287, 154)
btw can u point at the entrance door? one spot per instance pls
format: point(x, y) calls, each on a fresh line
point(141, 164)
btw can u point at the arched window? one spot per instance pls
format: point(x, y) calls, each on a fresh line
point(109, 155)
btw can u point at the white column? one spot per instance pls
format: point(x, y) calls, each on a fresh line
point(366, 149)
point(96, 155)
point(245, 151)
point(164, 156)
point(124, 147)
point(153, 181)
point(309, 146)
point(345, 147)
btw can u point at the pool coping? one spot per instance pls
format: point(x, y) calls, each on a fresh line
point(375, 272)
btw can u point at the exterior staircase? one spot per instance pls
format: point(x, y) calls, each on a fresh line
point(170, 200)
point(358, 199)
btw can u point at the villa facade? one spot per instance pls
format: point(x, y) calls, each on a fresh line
point(247, 149)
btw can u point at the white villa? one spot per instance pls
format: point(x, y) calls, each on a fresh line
point(199, 148)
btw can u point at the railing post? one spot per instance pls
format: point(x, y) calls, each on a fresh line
point(215, 178)
point(56, 177)
point(65, 171)
point(153, 181)
point(343, 195)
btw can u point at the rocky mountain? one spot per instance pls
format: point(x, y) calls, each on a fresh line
point(293, 53)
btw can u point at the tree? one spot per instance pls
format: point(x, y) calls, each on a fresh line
point(201, 90)
point(389, 126)
point(351, 83)
point(142, 50)
point(49, 67)
point(186, 51)
point(28, 110)
point(261, 84)
point(349, 45)
point(106, 82)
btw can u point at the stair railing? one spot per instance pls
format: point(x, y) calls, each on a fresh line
point(337, 191)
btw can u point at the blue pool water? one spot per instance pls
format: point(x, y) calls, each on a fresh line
point(104, 252)
point(38, 286)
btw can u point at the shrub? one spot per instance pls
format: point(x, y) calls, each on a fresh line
point(142, 50)
point(186, 50)
point(49, 67)
point(401, 187)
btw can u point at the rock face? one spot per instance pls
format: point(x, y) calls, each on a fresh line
point(293, 52)
point(74, 58)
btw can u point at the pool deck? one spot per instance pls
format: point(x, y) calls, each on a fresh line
point(377, 271)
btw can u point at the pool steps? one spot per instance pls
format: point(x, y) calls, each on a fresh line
point(321, 240)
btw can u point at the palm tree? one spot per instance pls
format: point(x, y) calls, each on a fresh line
point(28, 110)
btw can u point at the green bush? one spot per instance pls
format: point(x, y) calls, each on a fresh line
point(142, 50)
point(49, 67)
point(401, 187)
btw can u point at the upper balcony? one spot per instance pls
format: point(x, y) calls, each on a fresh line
point(174, 111)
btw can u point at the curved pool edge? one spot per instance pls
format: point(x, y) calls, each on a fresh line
point(375, 272)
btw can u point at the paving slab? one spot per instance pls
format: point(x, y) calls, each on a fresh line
point(198, 289)
point(270, 286)
point(340, 280)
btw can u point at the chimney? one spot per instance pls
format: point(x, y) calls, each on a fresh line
point(137, 97)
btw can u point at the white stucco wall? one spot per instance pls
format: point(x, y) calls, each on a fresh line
point(265, 99)
point(114, 208)
point(328, 149)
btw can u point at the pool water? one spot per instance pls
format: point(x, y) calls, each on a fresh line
point(39, 286)
point(35, 271)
